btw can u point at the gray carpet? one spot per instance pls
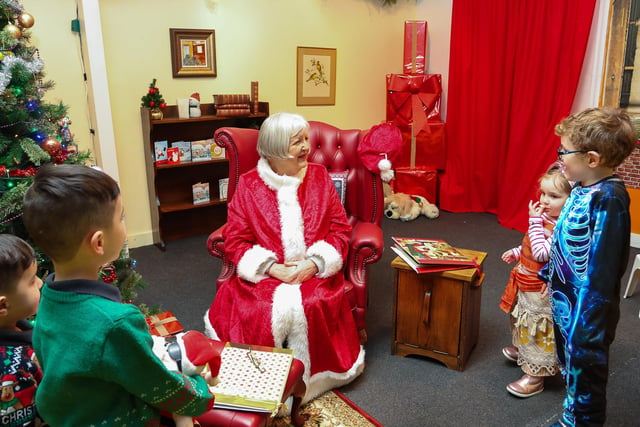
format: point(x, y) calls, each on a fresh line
point(418, 391)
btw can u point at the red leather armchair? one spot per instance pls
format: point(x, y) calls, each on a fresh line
point(336, 149)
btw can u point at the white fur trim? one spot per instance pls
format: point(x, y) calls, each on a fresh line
point(327, 380)
point(289, 322)
point(208, 328)
point(330, 256)
point(250, 263)
point(286, 188)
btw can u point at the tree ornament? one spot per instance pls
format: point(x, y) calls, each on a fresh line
point(51, 146)
point(26, 20)
point(13, 30)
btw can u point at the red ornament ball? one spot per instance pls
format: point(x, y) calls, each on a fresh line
point(51, 146)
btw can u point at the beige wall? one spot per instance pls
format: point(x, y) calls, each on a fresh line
point(255, 40)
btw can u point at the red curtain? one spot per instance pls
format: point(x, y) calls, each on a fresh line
point(513, 73)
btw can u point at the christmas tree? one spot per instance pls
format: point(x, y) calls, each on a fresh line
point(34, 132)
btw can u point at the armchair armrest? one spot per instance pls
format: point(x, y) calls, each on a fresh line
point(366, 247)
point(215, 242)
point(215, 245)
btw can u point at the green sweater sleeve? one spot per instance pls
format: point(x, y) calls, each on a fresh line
point(129, 361)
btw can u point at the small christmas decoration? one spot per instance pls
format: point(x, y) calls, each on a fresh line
point(153, 99)
point(26, 20)
point(379, 148)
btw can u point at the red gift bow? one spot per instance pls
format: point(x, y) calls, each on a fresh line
point(414, 99)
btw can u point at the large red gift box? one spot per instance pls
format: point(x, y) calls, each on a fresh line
point(414, 100)
point(420, 181)
point(426, 149)
point(415, 47)
point(164, 324)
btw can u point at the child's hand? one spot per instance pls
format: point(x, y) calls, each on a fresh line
point(535, 209)
point(508, 257)
point(182, 420)
point(544, 291)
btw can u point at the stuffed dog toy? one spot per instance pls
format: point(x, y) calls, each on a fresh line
point(406, 208)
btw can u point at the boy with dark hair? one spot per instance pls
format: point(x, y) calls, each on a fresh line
point(589, 255)
point(19, 297)
point(96, 352)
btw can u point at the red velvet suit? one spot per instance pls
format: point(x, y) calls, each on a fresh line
point(273, 218)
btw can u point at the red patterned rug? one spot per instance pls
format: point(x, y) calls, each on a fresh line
point(332, 409)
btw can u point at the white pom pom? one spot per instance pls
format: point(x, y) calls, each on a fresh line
point(384, 165)
point(387, 175)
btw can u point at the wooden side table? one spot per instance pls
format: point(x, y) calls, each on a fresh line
point(437, 315)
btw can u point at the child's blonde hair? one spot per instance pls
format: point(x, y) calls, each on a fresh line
point(607, 131)
point(555, 173)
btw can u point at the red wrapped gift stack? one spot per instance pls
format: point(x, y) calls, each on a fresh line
point(413, 104)
point(164, 324)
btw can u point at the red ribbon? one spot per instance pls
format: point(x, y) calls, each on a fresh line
point(413, 99)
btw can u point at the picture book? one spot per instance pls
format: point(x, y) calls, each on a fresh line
point(160, 151)
point(431, 251)
point(425, 268)
point(217, 152)
point(185, 150)
point(200, 193)
point(173, 155)
point(252, 378)
point(223, 187)
point(201, 150)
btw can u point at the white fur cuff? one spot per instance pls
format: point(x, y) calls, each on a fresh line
point(251, 262)
point(331, 257)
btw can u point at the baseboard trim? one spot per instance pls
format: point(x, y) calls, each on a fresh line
point(635, 240)
point(146, 239)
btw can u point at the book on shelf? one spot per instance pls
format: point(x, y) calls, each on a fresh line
point(217, 152)
point(245, 111)
point(252, 378)
point(223, 188)
point(184, 148)
point(232, 99)
point(160, 151)
point(430, 255)
point(173, 155)
point(201, 150)
point(200, 193)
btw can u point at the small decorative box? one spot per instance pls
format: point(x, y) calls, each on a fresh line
point(164, 324)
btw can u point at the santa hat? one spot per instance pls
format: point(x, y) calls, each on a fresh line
point(379, 148)
point(198, 351)
point(8, 380)
point(196, 95)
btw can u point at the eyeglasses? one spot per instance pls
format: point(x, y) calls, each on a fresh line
point(256, 362)
point(564, 153)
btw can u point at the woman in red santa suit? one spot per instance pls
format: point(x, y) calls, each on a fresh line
point(288, 235)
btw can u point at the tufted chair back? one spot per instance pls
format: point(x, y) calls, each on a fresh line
point(336, 149)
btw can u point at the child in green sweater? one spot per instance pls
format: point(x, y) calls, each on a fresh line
point(95, 352)
point(19, 297)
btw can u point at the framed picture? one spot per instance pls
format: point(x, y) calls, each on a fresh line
point(193, 53)
point(316, 76)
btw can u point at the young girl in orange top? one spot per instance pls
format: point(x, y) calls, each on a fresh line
point(524, 298)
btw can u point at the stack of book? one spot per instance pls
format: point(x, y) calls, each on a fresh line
point(232, 105)
point(430, 255)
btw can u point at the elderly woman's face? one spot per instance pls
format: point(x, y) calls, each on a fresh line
point(299, 152)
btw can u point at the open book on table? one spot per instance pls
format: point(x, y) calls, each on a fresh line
point(430, 255)
point(252, 378)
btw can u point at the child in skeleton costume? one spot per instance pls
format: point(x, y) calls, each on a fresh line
point(589, 255)
point(288, 235)
point(530, 313)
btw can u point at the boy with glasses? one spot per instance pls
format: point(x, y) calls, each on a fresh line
point(589, 255)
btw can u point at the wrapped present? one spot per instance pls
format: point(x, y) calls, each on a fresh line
point(164, 324)
point(415, 47)
point(426, 149)
point(421, 181)
point(414, 100)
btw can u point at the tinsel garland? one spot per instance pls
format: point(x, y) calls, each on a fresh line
point(9, 62)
